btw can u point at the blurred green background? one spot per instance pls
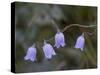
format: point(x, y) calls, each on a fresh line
point(33, 23)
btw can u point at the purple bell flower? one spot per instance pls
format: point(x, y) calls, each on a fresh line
point(48, 50)
point(59, 40)
point(80, 42)
point(31, 54)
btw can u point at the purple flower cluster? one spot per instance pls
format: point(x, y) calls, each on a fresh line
point(49, 50)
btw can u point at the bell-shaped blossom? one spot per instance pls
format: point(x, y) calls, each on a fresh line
point(31, 54)
point(48, 50)
point(80, 42)
point(59, 40)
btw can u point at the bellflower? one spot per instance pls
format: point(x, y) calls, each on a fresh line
point(48, 50)
point(80, 42)
point(59, 40)
point(31, 54)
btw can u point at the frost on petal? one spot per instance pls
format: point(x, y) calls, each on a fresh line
point(48, 51)
point(59, 40)
point(31, 54)
point(80, 42)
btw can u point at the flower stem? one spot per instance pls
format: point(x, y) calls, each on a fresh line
point(78, 25)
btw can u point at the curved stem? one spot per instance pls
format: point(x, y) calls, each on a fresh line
point(78, 25)
point(71, 25)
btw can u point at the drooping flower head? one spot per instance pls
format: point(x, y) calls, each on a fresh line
point(31, 54)
point(59, 39)
point(48, 50)
point(80, 42)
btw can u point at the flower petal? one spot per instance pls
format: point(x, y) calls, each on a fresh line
point(48, 51)
point(31, 54)
point(59, 40)
point(80, 42)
